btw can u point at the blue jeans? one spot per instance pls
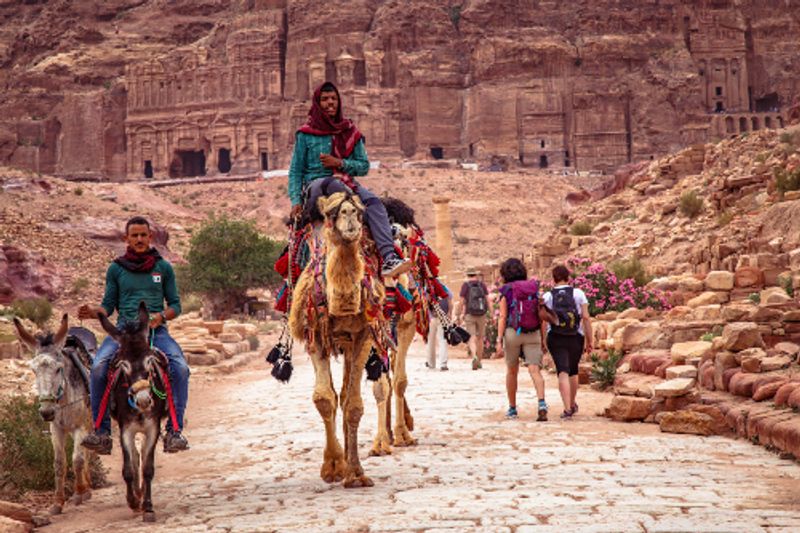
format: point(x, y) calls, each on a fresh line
point(178, 375)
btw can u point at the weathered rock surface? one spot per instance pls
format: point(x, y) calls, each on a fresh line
point(674, 387)
point(691, 422)
point(738, 336)
point(628, 408)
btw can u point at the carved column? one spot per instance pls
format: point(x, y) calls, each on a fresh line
point(444, 236)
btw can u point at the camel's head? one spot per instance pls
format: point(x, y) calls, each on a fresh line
point(343, 212)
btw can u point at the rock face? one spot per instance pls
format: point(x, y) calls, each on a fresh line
point(628, 408)
point(25, 274)
point(738, 336)
point(584, 85)
point(687, 422)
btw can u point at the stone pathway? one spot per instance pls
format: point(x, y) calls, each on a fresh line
point(257, 449)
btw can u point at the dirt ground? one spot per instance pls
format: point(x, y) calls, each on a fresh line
point(257, 449)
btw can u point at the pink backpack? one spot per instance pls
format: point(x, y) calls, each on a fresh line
point(523, 310)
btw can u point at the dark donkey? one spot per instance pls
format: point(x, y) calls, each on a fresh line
point(140, 390)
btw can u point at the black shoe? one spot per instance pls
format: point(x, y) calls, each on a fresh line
point(443, 368)
point(175, 442)
point(394, 266)
point(100, 443)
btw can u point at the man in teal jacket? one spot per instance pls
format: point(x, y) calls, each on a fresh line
point(328, 153)
point(139, 275)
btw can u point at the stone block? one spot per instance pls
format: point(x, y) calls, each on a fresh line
point(741, 384)
point(719, 280)
point(766, 389)
point(774, 295)
point(193, 346)
point(8, 525)
point(727, 375)
point(681, 371)
point(786, 436)
point(736, 312)
point(784, 391)
point(793, 400)
point(690, 284)
point(634, 313)
point(230, 336)
point(706, 374)
point(681, 351)
point(628, 408)
point(690, 422)
point(640, 334)
point(674, 387)
point(204, 359)
point(720, 426)
point(15, 511)
point(708, 298)
point(792, 316)
point(787, 348)
point(707, 312)
point(214, 327)
point(775, 362)
point(748, 276)
point(738, 336)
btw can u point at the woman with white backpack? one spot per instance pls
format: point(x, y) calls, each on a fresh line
point(520, 334)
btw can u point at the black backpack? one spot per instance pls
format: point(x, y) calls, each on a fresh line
point(476, 299)
point(566, 311)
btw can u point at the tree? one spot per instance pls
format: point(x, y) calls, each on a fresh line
point(227, 257)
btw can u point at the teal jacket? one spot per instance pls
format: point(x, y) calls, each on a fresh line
point(125, 289)
point(306, 166)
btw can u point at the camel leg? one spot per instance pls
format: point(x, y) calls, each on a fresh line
point(353, 409)
point(324, 397)
point(382, 390)
point(402, 436)
point(57, 438)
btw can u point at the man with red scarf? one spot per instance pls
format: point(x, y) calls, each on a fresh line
point(139, 275)
point(328, 153)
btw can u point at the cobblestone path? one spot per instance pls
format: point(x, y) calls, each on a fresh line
point(257, 449)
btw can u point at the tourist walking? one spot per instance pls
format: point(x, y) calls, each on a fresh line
point(472, 313)
point(328, 155)
point(569, 335)
point(519, 332)
point(436, 343)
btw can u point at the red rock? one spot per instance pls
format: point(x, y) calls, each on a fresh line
point(652, 363)
point(720, 426)
point(726, 377)
point(637, 362)
point(690, 422)
point(706, 372)
point(741, 384)
point(765, 426)
point(739, 336)
point(766, 389)
point(661, 371)
point(786, 436)
point(793, 400)
point(628, 408)
point(748, 276)
point(783, 393)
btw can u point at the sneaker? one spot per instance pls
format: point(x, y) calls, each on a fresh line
point(444, 368)
point(175, 442)
point(542, 412)
point(428, 365)
point(574, 408)
point(100, 443)
point(566, 415)
point(476, 363)
point(511, 413)
point(394, 266)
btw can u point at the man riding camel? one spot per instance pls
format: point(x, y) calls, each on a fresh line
point(139, 275)
point(328, 152)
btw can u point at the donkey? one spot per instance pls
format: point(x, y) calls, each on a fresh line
point(64, 403)
point(139, 387)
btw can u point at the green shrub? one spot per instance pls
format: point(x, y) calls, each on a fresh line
point(37, 310)
point(227, 257)
point(580, 228)
point(455, 15)
point(254, 342)
point(786, 283)
point(605, 370)
point(786, 180)
point(191, 302)
point(26, 452)
point(690, 204)
point(631, 269)
point(754, 297)
point(79, 285)
point(78, 191)
point(710, 336)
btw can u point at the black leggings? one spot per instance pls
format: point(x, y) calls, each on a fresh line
point(566, 351)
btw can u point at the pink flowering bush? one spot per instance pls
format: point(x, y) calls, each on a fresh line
point(606, 292)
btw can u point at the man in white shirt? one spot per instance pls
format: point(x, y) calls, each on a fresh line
point(569, 335)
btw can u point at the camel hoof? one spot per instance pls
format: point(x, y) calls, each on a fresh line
point(403, 441)
point(149, 516)
point(380, 451)
point(358, 482)
point(332, 471)
point(86, 496)
point(54, 509)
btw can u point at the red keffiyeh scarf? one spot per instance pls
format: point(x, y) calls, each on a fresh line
point(344, 131)
point(136, 262)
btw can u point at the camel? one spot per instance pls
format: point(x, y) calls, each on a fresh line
point(339, 311)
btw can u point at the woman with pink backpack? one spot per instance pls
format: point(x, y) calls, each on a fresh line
point(520, 333)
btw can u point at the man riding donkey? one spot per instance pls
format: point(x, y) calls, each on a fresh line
point(329, 151)
point(141, 275)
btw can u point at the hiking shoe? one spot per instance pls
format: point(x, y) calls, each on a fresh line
point(511, 413)
point(566, 415)
point(394, 266)
point(444, 368)
point(574, 408)
point(175, 442)
point(476, 363)
point(100, 443)
point(542, 412)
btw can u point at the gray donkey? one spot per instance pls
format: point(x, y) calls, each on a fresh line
point(64, 403)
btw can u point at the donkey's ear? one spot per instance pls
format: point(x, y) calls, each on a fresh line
point(108, 327)
point(24, 335)
point(144, 317)
point(58, 340)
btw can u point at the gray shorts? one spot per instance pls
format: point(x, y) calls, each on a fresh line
point(527, 346)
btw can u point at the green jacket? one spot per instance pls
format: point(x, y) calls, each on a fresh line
point(306, 166)
point(125, 289)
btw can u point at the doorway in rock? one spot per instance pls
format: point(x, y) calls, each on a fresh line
point(188, 163)
point(543, 161)
point(148, 169)
point(224, 160)
point(264, 161)
point(437, 152)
